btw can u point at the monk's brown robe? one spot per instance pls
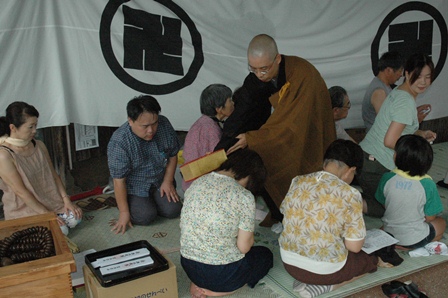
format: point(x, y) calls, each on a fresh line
point(294, 138)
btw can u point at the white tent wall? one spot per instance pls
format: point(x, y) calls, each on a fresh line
point(51, 55)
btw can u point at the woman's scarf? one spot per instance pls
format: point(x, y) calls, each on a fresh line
point(13, 141)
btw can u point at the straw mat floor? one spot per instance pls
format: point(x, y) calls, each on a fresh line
point(94, 232)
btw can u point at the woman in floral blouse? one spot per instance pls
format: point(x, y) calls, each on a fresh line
point(324, 228)
point(217, 228)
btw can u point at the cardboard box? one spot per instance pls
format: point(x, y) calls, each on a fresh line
point(47, 277)
point(159, 263)
point(161, 285)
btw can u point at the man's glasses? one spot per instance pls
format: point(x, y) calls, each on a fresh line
point(348, 106)
point(262, 70)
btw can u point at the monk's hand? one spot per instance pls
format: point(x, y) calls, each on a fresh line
point(241, 144)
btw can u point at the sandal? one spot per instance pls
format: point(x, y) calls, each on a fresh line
point(442, 183)
point(110, 201)
point(398, 289)
point(91, 205)
point(414, 291)
point(395, 289)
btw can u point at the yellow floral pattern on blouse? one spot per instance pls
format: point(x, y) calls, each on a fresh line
point(320, 211)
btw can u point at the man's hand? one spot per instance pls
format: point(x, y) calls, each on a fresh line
point(241, 144)
point(423, 111)
point(124, 220)
point(168, 189)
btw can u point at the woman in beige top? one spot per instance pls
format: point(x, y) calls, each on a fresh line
point(28, 179)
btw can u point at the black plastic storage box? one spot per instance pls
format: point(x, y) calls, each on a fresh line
point(160, 264)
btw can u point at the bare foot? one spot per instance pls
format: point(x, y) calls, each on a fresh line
point(196, 292)
point(209, 293)
point(383, 264)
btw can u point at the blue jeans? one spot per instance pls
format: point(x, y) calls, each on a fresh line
point(230, 277)
point(424, 241)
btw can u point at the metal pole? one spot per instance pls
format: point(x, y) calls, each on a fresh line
point(69, 148)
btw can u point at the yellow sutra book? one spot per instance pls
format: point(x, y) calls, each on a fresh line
point(202, 165)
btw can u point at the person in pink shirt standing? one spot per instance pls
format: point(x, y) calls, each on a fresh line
point(216, 105)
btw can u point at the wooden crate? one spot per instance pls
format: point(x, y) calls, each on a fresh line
point(47, 277)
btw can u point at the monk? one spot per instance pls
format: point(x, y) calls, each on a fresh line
point(295, 136)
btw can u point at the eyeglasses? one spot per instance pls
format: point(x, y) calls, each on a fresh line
point(348, 106)
point(262, 70)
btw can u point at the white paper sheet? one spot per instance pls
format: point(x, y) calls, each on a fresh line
point(377, 239)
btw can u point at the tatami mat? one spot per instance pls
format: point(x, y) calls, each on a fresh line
point(94, 232)
point(279, 280)
point(164, 234)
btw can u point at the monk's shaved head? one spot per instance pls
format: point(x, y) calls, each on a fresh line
point(261, 45)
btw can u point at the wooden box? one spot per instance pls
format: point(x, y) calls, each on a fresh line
point(47, 277)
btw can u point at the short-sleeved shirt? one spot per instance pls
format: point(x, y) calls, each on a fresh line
point(201, 139)
point(399, 107)
point(320, 211)
point(142, 163)
point(407, 200)
point(341, 133)
point(368, 110)
point(215, 208)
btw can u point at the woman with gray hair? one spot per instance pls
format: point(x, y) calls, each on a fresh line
point(216, 105)
point(340, 103)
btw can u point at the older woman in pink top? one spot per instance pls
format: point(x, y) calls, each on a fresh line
point(216, 105)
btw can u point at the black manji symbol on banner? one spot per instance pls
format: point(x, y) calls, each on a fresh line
point(408, 38)
point(151, 43)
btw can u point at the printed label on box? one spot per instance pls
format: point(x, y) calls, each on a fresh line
point(126, 265)
point(118, 258)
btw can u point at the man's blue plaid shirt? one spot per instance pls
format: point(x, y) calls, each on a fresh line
point(141, 162)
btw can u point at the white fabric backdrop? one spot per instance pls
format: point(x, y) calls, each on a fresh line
point(51, 55)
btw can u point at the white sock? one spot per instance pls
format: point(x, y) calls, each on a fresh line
point(298, 286)
point(311, 291)
point(64, 229)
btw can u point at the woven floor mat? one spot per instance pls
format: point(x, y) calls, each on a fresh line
point(94, 232)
